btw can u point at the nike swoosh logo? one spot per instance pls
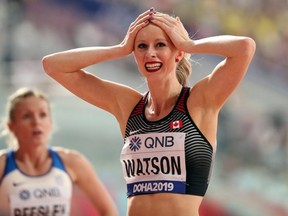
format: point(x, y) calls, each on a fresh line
point(133, 132)
point(16, 184)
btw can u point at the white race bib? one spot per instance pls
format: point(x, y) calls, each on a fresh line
point(38, 201)
point(154, 162)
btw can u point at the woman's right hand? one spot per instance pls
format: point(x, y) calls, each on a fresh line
point(142, 20)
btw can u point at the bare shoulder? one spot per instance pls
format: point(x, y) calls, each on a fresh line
point(126, 105)
point(67, 154)
point(71, 158)
point(74, 161)
point(3, 153)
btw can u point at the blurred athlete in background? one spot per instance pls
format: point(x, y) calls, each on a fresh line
point(36, 179)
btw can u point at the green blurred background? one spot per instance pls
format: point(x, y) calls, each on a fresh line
point(250, 175)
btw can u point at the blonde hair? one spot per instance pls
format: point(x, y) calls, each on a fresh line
point(184, 69)
point(11, 105)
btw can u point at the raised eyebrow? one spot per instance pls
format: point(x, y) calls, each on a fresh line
point(164, 41)
point(157, 40)
point(140, 42)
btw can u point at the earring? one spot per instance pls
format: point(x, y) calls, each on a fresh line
point(177, 59)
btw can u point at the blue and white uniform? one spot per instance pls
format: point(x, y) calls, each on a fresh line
point(169, 155)
point(47, 194)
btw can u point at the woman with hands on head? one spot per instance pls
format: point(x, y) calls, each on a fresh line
point(170, 131)
point(36, 179)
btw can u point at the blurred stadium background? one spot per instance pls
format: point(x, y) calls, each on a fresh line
point(250, 176)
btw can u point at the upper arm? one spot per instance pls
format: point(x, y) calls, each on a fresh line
point(115, 98)
point(2, 163)
point(227, 75)
point(84, 178)
point(97, 91)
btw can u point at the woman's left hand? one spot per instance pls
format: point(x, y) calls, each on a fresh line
point(175, 30)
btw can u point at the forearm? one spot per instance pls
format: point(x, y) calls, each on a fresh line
point(225, 45)
point(76, 59)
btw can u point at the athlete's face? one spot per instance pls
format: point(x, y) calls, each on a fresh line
point(154, 52)
point(31, 123)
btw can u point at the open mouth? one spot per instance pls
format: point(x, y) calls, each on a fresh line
point(153, 67)
point(37, 132)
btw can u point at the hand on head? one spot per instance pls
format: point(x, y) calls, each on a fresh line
point(141, 21)
point(173, 27)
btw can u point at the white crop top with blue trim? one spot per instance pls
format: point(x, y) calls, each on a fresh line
point(48, 194)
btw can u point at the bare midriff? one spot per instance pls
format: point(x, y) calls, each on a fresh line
point(167, 204)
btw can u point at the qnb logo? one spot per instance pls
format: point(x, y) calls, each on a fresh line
point(159, 142)
point(135, 144)
point(24, 195)
point(46, 192)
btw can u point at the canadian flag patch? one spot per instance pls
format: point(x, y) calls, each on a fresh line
point(176, 124)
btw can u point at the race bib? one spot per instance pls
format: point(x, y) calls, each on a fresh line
point(154, 163)
point(39, 201)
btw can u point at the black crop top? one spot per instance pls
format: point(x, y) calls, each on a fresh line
point(169, 155)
